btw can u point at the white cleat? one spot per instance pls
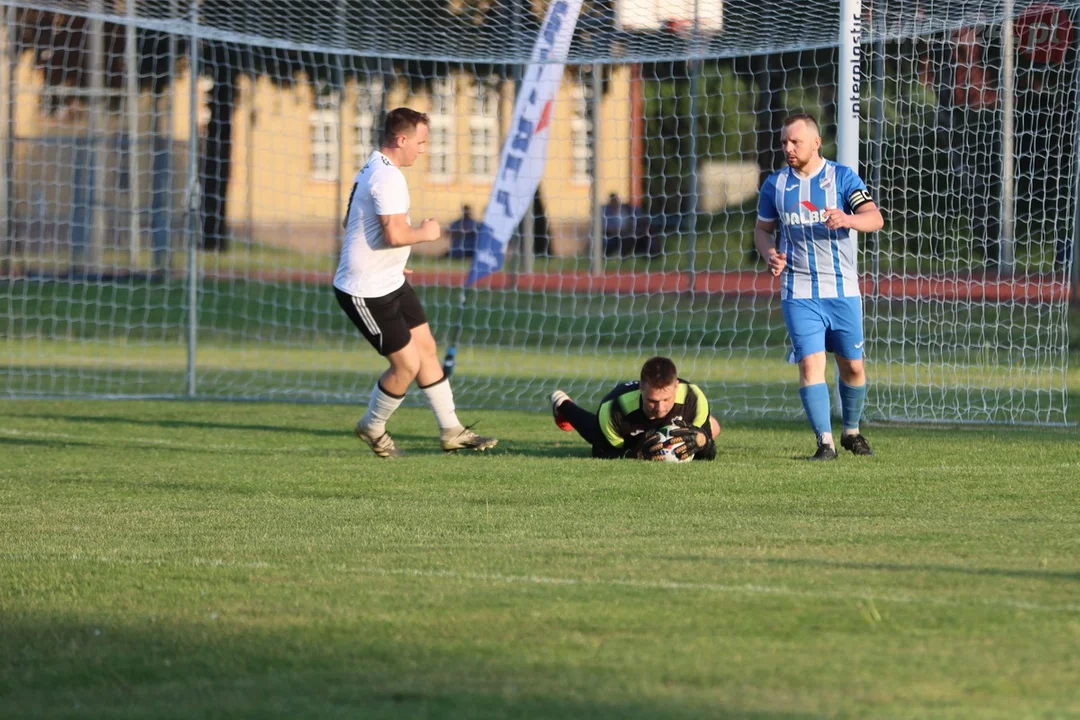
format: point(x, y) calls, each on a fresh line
point(463, 438)
point(382, 445)
point(558, 398)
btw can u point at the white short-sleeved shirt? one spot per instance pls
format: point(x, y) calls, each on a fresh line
point(369, 267)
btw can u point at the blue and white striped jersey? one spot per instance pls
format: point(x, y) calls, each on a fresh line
point(820, 262)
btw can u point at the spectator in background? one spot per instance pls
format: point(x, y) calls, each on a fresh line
point(541, 234)
point(627, 230)
point(464, 234)
point(645, 244)
point(971, 117)
point(615, 222)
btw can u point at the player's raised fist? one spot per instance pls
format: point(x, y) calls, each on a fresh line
point(836, 219)
point(431, 229)
point(776, 263)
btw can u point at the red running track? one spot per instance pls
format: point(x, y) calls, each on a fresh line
point(1020, 288)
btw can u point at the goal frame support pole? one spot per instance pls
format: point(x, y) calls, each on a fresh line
point(1007, 252)
point(848, 108)
point(194, 201)
point(848, 104)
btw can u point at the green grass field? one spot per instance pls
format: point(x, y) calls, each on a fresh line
point(168, 559)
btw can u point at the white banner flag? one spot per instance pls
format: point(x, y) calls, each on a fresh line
point(524, 154)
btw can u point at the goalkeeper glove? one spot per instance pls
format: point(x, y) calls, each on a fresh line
point(686, 442)
point(651, 447)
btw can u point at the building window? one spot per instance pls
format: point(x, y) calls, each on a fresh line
point(367, 126)
point(323, 131)
point(484, 132)
point(440, 149)
point(581, 144)
point(204, 86)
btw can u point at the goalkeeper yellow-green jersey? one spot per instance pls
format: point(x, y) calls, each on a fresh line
point(623, 423)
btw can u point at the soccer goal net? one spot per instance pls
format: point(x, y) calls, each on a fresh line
point(175, 174)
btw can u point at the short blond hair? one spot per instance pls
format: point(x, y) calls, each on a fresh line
point(807, 118)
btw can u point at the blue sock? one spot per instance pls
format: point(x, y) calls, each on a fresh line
point(815, 400)
point(852, 400)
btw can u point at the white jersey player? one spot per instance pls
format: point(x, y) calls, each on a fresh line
point(372, 289)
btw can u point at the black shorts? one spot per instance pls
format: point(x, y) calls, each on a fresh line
point(385, 321)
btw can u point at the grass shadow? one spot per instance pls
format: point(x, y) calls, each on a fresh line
point(57, 443)
point(1017, 573)
point(349, 668)
point(186, 424)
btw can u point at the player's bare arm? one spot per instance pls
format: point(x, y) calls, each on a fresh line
point(866, 218)
point(399, 233)
point(765, 242)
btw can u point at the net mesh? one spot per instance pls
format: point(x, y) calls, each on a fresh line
point(640, 237)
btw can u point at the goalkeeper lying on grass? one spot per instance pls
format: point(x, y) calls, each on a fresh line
point(630, 417)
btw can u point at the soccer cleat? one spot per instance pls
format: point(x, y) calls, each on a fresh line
point(463, 438)
point(824, 452)
point(383, 445)
point(558, 398)
point(856, 444)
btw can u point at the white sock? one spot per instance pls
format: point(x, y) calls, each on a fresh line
point(380, 407)
point(825, 439)
point(441, 399)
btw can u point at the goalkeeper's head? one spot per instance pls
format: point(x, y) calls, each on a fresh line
point(659, 381)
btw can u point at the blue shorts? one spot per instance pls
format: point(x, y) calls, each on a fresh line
point(826, 325)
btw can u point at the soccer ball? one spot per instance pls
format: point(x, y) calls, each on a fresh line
point(670, 445)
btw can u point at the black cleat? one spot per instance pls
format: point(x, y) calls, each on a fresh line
point(824, 452)
point(856, 444)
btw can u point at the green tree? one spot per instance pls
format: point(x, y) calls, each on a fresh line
point(724, 126)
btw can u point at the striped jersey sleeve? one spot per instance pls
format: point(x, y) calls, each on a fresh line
point(853, 189)
point(767, 200)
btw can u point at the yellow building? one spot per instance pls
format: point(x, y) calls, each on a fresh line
point(296, 149)
point(300, 174)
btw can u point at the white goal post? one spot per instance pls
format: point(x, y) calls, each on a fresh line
point(170, 233)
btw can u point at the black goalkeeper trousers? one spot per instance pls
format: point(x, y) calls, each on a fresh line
point(585, 422)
